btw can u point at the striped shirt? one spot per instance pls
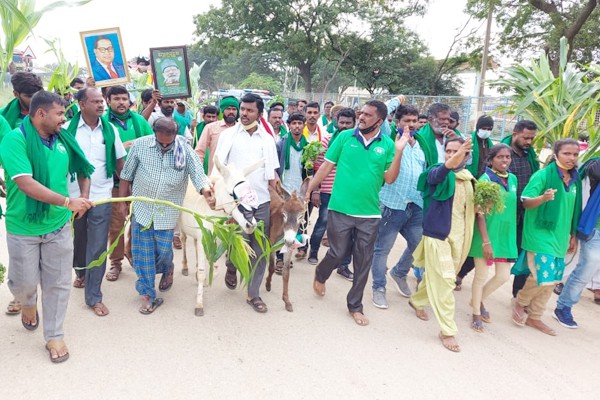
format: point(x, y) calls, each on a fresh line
point(404, 189)
point(154, 175)
point(327, 183)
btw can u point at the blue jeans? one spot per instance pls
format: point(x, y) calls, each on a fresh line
point(409, 223)
point(589, 262)
point(321, 225)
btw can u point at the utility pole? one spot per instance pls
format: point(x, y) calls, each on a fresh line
point(484, 58)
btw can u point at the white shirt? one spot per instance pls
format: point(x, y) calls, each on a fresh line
point(313, 136)
point(92, 145)
point(441, 151)
point(247, 149)
point(292, 178)
point(158, 114)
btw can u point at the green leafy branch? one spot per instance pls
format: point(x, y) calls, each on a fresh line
point(221, 237)
point(310, 154)
point(2, 272)
point(487, 198)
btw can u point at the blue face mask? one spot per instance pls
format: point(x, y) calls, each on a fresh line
point(401, 132)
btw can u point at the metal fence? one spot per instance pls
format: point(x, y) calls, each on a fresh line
point(465, 106)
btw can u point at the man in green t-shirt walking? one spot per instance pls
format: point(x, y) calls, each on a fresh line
point(365, 159)
point(38, 158)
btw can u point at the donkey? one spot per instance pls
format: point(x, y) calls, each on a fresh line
point(224, 178)
point(287, 215)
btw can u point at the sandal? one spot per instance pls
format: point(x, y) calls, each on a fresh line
point(477, 324)
point(28, 325)
point(231, 279)
point(113, 273)
point(100, 309)
point(518, 317)
point(452, 347)
point(257, 304)
point(13, 308)
point(166, 282)
point(150, 307)
point(79, 283)
point(420, 313)
point(485, 316)
point(56, 345)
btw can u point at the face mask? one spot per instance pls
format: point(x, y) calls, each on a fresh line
point(401, 132)
point(483, 134)
point(366, 131)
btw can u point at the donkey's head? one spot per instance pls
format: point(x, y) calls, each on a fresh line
point(230, 184)
point(293, 212)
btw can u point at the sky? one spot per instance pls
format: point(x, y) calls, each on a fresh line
point(159, 23)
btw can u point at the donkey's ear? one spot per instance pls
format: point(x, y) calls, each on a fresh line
point(304, 188)
point(251, 168)
point(285, 195)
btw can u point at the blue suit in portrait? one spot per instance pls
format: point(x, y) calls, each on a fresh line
point(100, 74)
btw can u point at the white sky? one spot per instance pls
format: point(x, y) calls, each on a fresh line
point(154, 23)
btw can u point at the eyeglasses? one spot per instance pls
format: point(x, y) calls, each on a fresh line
point(106, 49)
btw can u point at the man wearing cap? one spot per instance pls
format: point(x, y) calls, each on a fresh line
point(230, 108)
point(170, 72)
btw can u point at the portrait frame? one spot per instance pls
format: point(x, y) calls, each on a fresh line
point(96, 69)
point(171, 85)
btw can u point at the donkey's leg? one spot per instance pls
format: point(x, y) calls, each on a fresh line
point(184, 261)
point(286, 280)
point(200, 275)
point(271, 271)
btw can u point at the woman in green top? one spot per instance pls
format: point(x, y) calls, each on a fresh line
point(495, 241)
point(552, 202)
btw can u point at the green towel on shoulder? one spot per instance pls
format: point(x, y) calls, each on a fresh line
point(11, 112)
point(473, 168)
point(108, 134)
point(443, 191)
point(78, 164)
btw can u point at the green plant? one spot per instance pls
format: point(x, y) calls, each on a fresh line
point(220, 238)
point(562, 106)
point(487, 198)
point(2, 272)
point(310, 154)
point(64, 72)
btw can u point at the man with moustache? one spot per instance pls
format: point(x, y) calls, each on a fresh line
point(131, 126)
point(244, 144)
point(365, 158)
point(207, 144)
point(275, 118)
point(167, 110)
point(100, 142)
point(39, 157)
point(433, 136)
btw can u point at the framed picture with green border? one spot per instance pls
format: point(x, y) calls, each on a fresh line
point(170, 69)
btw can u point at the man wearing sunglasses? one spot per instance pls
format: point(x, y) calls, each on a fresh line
point(104, 66)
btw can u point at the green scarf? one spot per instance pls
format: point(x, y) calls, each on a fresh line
point(531, 156)
point(393, 131)
point(324, 120)
point(473, 168)
point(443, 191)
point(548, 211)
point(290, 142)
point(199, 129)
point(182, 123)
point(282, 131)
point(135, 123)
point(331, 128)
point(78, 164)
point(426, 139)
point(109, 141)
point(11, 112)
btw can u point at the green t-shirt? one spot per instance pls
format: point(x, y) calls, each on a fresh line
point(501, 227)
point(13, 155)
point(4, 128)
point(130, 133)
point(537, 240)
point(359, 175)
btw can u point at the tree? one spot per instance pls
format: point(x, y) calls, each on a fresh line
point(535, 24)
point(256, 81)
point(293, 33)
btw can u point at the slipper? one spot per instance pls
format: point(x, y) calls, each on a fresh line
point(13, 308)
point(455, 348)
point(421, 314)
point(31, 327)
point(166, 281)
point(485, 316)
point(56, 345)
point(231, 279)
point(153, 306)
point(79, 283)
point(318, 287)
point(518, 318)
point(257, 304)
point(477, 326)
point(100, 309)
point(113, 274)
point(359, 318)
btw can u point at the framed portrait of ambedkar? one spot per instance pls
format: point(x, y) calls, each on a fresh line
point(105, 57)
point(170, 69)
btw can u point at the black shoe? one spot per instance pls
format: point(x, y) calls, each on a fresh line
point(345, 273)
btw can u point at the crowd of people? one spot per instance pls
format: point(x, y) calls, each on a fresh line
point(387, 169)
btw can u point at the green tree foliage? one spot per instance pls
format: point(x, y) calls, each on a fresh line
point(256, 81)
point(293, 33)
point(534, 24)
